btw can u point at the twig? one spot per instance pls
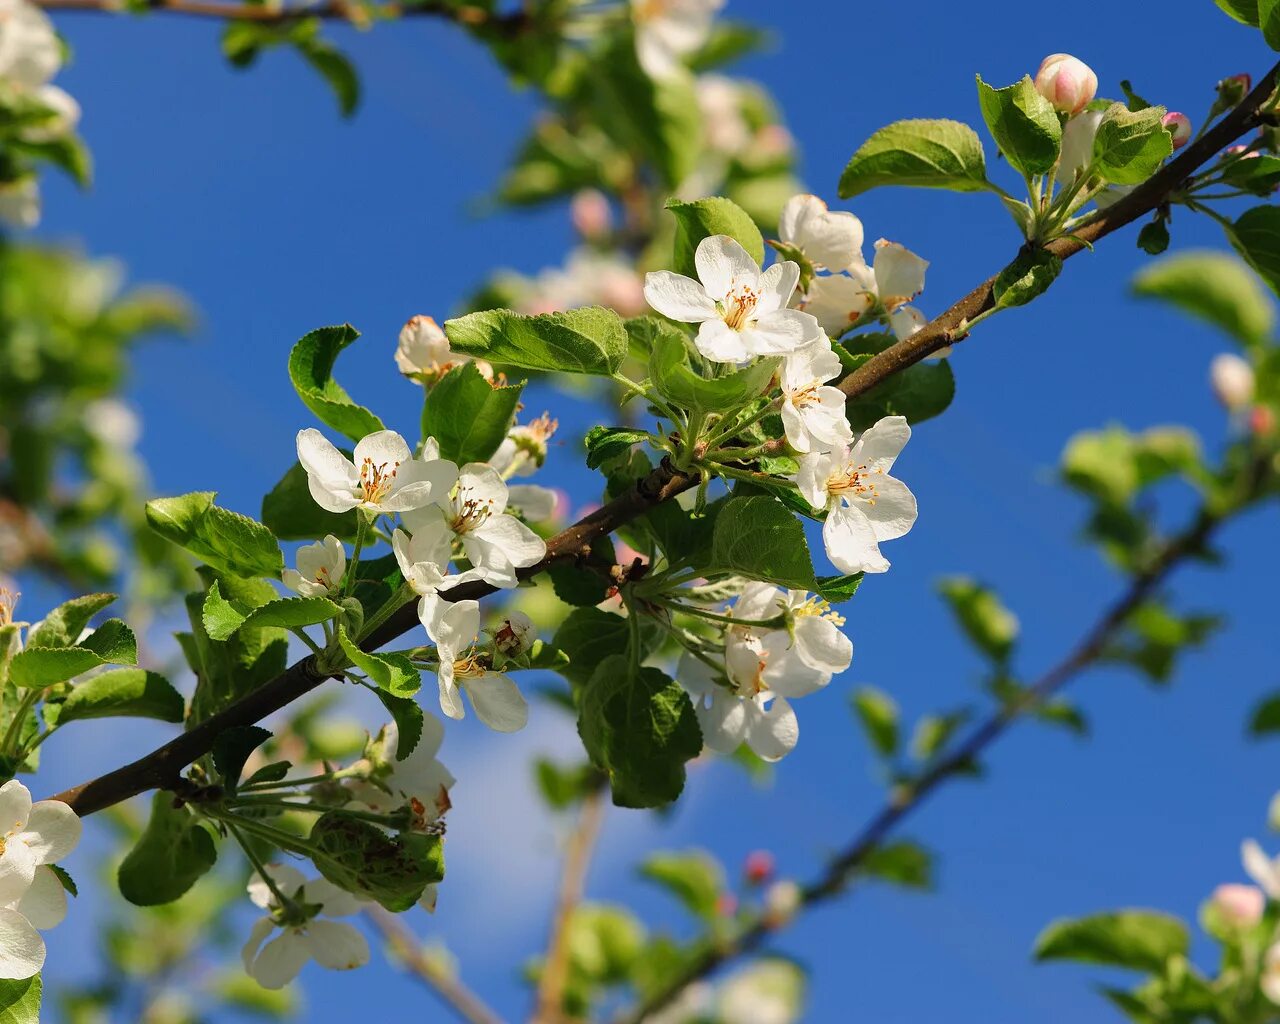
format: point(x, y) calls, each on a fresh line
point(465, 1004)
point(839, 872)
point(577, 859)
point(162, 766)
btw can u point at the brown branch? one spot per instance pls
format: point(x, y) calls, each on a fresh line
point(161, 767)
point(549, 1007)
point(1155, 192)
point(841, 870)
point(465, 1004)
point(340, 10)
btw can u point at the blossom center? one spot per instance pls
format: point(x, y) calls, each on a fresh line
point(819, 608)
point(376, 480)
point(851, 481)
point(470, 666)
point(806, 396)
point(738, 305)
point(469, 513)
point(8, 601)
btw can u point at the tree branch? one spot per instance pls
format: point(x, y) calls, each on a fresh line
point(841, 870)
point(465, 1004)
point(339, 10)
point(162, 766)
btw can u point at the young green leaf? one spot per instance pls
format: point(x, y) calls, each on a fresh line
point(758, 538)
point(676, 380)
point(170, 856)
point(878, 713)
point(1245, 11)
point(1023, 123)
point(988, 624)
point(606, 443)
point(393, 672)
point(133, 692)
point(63, 625)
point(20, 1000)
point(919, 392)
point(920, 153)
point(702, 218)
point(232, 749)
point(901, 863)
point(467, 415)
point(1215, 288)
point(227, 541)
point(409, 717)
point(1026, 277)
point(1143, 940)
point(311, 370)
point(590, 340)
point(694, 877)
point(1130, 144)
point(1256, 237)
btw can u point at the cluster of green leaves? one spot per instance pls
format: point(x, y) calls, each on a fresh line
point(34, 133)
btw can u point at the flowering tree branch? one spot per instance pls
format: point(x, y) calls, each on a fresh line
point(162, 767)
point(909, 796)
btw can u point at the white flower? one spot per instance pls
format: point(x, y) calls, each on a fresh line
point(668, 30)
point(30, 53)
point(894, 279)
point(813, 411)
point(31, 896)
point(1077, 145)
point(20, 203)
point(534, 503)
point(742, 311)
point(495, 543)
point(419, 781)
point(1269, 980)
point(383, 478)
point(865, 505)
point(333, 944)
point(898, 273)
point(1232, 379)
point(66, 115)
point(830, 240)
point(1067, 82)
point(724, 127)
point(423, 351)
point(321, 567)
point(455, 627)
point(112, 422)
point(1261, 868)
point(524, 449)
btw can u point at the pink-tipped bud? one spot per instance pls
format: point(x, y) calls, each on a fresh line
point(1232, 380)
point(781, 901)
point(759, 867)
point(1239, 905)
point(726, 904)
point(1067, 82)
point(1179, 126)
point(1237, 149)
point(1262, 421)
point(590, 212)
point(1234, 88)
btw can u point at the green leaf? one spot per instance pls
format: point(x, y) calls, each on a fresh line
point(639, 728)
point(1245, 11)
point(1143, 940)
point(920, 153)
point(564, 786)
point(901, 863)
point(1256, 237)
point(702, 218)
point(169, 857)
point(1269, 22)
point(393, 672)
point(64, 879)
point(311, 370)
point(878, 713)
point(588, 636)
point(226, 540)
point(1266, 717)
point(409, 717)
point(1130, 144)
point(289, 511)
point(1023, 123)
point(676, 380)
point(362, 859)
point(113, 642)
point(20, 1000)
point(1026, 277)
point(62, 626)
point(919, 392)
point(222, 619)
point(1214, 287)
point(1153, 239)
point(123, 691)
point(757, 537)
point(45, 666)
point(273, 772)
point(932, 732)
point(337, 70)
point(838, 588)
point(589, 340)
point(1134, 101)
point(978, 610)
point(468, 416)
point(694, 877)
point(1258, 173)
point(607, 443)
point(232, 749)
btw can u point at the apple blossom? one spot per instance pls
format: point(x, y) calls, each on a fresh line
point(1232, 379)
point(534, 503)
point(1077, 145)
point(420, 781)
point(894, 279)
point(475, 513)
point(725, 129)
point(830, 240)
point(383, 478)
point(1261, 868)
point(524, 449)
point(1066, 82)
point(591, 214)
point(333, 944)
point(455, 627)
point(30, 53)
point(1239, 905)
point(669, 30)
point(864, 504)
point(813, 411)
point(741, 311)
point(1179, 126)
point(423, 353)
point(31, 895)
point(321, 567)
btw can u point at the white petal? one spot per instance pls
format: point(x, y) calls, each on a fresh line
point(333, 900)
point(678, 297)
point(332, 498)
point(772, 733)
point(45, 903)
point(785, 672)
point(758, 600)
point(695, 675)
point(262, 927)
point(287, 878)
point(816, 362)
point(851, 541)
point(520, 544)
point(793, 427)
point(893, 511)
point(832, 240)
point(537, 504)
point(450, 698)
point(881, 443)
point(294, 580)
point(906, 321)
point(777, 285)
point(418, 483)
point(324, 463)
point(724, 723)
point(53, 830)
point(21, 948)
point(782, 332)
point(280, 960)
point(15, 807)
point(820, 644)
point(17, 870)
point(811, 478)
point(337, 945)
point(720, 343)
point(899, 274)
point(721, 261)
point(383, 448)
point(454, 624)
point(498, 702)
point(837, 302)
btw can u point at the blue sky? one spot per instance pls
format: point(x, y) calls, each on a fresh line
point(248, 192)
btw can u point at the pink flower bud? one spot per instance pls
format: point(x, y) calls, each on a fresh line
point(1067, 82)
point(1237, 149)
point(1232, 380)
point(1239, 905)
point(592, 217)
point(1179, 126)
point(1262, 421)
point(759, 867)
point(1234, 88)
point(726, 904)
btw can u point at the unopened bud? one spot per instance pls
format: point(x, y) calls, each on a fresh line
point(1179, 126)
point(1232, 380)
point(1237, 149)
point(515, 635)
point(1234, 88)
point(1239, 905)
point(1067, 82)
point(759, 867)
point(1262, 421)
point(781, 901)
point(590, 212)
point(726, 904)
